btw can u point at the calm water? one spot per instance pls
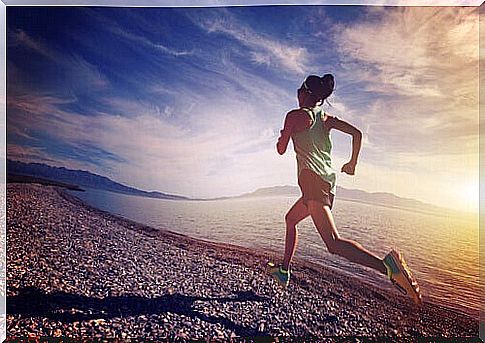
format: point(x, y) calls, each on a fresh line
point(442, 251)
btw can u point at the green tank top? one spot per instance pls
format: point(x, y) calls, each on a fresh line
point(312, 148)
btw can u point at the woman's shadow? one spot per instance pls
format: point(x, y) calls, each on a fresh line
point(66, 307)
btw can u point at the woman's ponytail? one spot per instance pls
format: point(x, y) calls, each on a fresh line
point(328, 83)
point(320, 88)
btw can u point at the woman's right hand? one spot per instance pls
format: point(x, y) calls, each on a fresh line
point(349, 168)
point(282, 143)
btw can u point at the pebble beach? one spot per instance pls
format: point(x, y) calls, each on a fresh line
point(77, 272)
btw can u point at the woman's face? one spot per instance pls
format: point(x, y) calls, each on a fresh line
point(304, 98)
point(301, 94)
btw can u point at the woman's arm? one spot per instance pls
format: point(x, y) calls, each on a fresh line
point(295, 121)
point(285, 134)
point(356, 134)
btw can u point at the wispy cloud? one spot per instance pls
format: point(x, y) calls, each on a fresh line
point(411, 51)
point(412, 84)
point(36, 154)
point(146, 42)
point(77, 69)
point(21, 132)
point(147, 143)
point(193, 99)
point(118, 29)
point(423, 64)
point(196, 131)
point(21, 38)
point(263, 48)
point(28, 154)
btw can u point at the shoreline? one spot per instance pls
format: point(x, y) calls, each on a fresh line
point(273, 255)
point(351, 306)
point(368, 279)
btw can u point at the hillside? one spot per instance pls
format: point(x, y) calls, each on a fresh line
point(80, 178)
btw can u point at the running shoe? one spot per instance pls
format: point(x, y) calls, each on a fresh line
point(279, 274)
point(400, 275)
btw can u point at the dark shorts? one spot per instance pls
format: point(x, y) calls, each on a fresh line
point(314, 188)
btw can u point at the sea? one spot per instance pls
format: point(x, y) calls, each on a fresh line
point(442, 250)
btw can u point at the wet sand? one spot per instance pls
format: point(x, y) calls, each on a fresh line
point(78, 272)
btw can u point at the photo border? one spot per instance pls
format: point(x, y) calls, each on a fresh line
point(230, 3)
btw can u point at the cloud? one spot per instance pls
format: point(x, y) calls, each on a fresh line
point(122, 31)
point(149, 152)
point(206, 124)
point(27, 154)
point(260, 58)
point(414, 50)
point(39, 154)
point(263, 48)
point(30, 154)
point(410, 82)
point(146, 42)
point(21, 38)
point(418, 68)
point(174, 143)
point(20, 132)
point(78, 71)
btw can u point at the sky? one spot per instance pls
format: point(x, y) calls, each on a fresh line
point(190, 101)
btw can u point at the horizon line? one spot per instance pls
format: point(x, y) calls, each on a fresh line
point(248, 192)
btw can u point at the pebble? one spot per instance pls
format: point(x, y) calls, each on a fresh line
point(91, 274)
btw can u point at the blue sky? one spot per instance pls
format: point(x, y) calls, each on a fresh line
point(191, 100)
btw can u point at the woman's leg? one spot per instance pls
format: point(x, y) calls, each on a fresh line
point(297, 213)
point(353, 251)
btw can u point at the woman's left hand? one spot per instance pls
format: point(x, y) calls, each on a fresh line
point(349, 168)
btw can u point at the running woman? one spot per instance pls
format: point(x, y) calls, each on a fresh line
point(309, 128)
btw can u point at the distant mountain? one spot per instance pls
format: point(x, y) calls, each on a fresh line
point(81, 178)
point(273, 191)
point(379, 198)
point(16, 178)
point(90, 180)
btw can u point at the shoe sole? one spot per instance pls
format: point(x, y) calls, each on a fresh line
point(408, 277)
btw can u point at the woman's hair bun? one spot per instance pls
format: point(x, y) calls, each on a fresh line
point(328, 80)
point(321, 87)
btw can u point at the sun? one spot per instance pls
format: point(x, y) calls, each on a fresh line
point(471, 196)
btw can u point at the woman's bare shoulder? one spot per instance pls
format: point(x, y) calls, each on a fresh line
point(300, 119)
point(329, 119)
point(328, 116)
point(297, 112)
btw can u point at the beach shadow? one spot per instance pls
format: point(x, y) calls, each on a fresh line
point(67, 307)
